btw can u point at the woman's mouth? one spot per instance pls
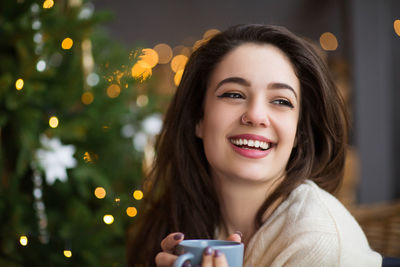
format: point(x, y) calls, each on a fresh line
point(250, 144)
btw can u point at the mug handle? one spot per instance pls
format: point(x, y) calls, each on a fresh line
point(182, 258)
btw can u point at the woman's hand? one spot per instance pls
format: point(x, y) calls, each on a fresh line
point(166, 258)
point(216, 258)
point(211, 258)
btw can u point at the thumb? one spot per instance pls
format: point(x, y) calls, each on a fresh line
point(237, 237)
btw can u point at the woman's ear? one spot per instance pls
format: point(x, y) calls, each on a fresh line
point(199, 129)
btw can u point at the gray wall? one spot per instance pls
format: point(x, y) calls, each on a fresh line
point(367, 41)
point(375, 57)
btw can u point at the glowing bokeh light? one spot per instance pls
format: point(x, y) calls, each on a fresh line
point(41, 65)
point(178, 62)
point(328, 41)
point(131, 211)
point(108, 219)
point(53, 122)
point(210, 33)
point(141, 71)
point(142, 100)
point(164, 53)
point(181, 50)
point(23, 240)
point(197, 44)
point(19, 84)
point(113, 91)
point(149, 56)
point(67, 253)
point(396, 26)
point(87, 98)
point(138, 195)
point(48, 4)
point(90, 157)
point(67, 43)
point(178, 77)
point(100, 192)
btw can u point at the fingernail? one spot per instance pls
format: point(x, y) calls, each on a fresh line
point(187, 264)
point(217, 253)
point(239, 233)
point(208, 251)
point(178, 236)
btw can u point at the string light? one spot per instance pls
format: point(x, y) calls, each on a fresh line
point(149, 56)
point(142, 100)
point(41, 65)
point(67, 43)
point(164, 53)
point(23, 240)
point(138, 195)
point(396, 26)
point(178, 62)
point(53, 122)
point(181, 50)
point(198, 43)
point(92, 79)
point(113, 91)
point(87, 98)
point(141, 71)
point(328, 41)
point(131, 211)
point(67, 253)
point(210, 33)
point(108, 219)
point(19, 84)
point(178, 77)
point(48, 4)
point(100, 192)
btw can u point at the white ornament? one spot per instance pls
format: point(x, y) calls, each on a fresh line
point(55, 158)
point(140, 141)
point(41, 65)
point(86, 11)
point(127, 130)
point(152, 124)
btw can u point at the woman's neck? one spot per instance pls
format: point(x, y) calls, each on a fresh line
point(240, 202)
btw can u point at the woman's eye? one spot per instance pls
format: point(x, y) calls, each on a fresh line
point(283, 102)
point(231, 95)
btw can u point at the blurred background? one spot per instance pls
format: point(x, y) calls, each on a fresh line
point(84, 86)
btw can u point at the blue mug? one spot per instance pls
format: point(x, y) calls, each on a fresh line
point(192, 250)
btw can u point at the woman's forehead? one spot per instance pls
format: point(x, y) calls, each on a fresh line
point(257, 63)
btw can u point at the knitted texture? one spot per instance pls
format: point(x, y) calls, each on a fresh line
point(310, 228)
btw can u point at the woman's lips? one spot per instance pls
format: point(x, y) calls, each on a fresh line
point(250, 145)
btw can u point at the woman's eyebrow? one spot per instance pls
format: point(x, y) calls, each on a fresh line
point(237, 80)
point(244, 82)
point(282, 86)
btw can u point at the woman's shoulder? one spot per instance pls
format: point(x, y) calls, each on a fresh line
point(310, 208)
point(311, 228)
point(315, 217)
point(309, 201)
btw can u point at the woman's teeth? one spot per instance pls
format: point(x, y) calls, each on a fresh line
point(250, 143)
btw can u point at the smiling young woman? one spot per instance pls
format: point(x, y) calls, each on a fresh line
point(254, 141)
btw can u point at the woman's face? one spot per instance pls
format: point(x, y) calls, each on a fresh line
point(251, 112)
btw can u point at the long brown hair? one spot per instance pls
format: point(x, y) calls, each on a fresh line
point(180, 193)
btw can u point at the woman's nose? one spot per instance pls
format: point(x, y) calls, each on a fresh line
point(256, 115)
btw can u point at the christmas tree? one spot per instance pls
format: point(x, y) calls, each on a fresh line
point(76, 115)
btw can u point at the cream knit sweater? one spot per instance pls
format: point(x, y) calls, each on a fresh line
point(310, 228)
